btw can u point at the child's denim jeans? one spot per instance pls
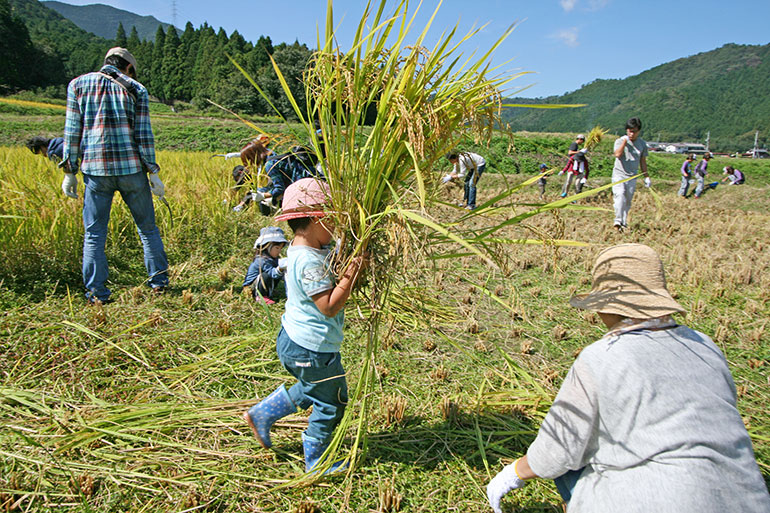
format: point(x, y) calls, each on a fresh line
point(320, 382)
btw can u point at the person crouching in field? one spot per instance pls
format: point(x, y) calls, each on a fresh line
point(686, 172)
point(735, 176)
point(264, 273)
point(646, 419)
point(51, 148)
point(309, 342)
point(469, 166)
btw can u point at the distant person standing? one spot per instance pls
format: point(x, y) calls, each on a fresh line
point(542, 181)
point(51, 148)
point(107, 134)
point(578, 165)
point(686, 171)
point(701, 170)
point(469, 166)
point(630, 156)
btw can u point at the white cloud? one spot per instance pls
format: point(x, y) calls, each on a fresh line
point(567, 5)
point(568, 36)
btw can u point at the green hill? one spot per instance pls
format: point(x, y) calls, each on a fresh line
point(103, 20)
point(714, 92)
point(50, 51)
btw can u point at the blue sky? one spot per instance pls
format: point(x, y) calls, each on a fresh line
point(567, 43)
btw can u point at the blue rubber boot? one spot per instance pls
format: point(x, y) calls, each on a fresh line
point(314, 449)
point(262, 416)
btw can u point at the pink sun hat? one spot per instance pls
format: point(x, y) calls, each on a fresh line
point(304, 198)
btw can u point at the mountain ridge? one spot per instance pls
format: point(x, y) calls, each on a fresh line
point(103, 20)
point(712, 93)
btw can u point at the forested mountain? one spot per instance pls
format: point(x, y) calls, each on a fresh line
point(41, 48)
point(724, 91)
point(51, 50)
point(103, 20)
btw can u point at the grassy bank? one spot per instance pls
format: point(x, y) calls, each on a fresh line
point(136, 406)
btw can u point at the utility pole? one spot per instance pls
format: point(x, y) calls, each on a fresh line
point(173, 12)
point(708, 137)
point(756, 139)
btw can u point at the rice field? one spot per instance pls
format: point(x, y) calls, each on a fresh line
point(135, 406)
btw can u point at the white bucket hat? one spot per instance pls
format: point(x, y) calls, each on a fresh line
point(270, 234)
point(628, 280)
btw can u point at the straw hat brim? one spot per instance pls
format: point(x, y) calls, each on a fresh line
point(296, 214)
point(636, 304)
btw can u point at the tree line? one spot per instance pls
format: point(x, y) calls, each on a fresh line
point(40, 50)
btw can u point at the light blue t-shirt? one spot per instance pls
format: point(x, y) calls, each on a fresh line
point(308, 273)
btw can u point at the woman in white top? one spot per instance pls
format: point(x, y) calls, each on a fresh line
point(646, 419)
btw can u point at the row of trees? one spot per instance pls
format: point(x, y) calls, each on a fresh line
point(41, 49)
point(195, 67)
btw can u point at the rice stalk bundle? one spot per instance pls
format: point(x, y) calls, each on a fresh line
point(595, 137)
point(379, 117)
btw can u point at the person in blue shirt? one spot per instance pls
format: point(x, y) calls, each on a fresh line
point(308, 344)
point(51, 148)
point(264, 273)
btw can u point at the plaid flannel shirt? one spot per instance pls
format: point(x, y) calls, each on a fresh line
point(106, 130)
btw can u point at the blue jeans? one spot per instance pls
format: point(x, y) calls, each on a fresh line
point(701, 184)
point(97, 203)
point(320, 383)
point(565, 483)
point(471, 179)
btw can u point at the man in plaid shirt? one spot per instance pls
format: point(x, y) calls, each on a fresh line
point(107, 134)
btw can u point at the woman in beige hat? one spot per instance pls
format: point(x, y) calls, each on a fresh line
point(646, 419)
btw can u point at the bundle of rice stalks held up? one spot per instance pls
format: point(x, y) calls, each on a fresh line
point(379, 117)
point(595, 137)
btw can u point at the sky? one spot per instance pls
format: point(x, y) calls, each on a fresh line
point(564, 43)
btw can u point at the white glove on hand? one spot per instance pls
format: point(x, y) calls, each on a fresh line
point(561, 172)
point(647, 182)
point(501, 484)
point(282, 263)
point(583, 181)
point(232, 155)
point(257, 196)
point(70, 185)
point(156, 186)
point(446, 178)
point(584, 150)
point(268, 202)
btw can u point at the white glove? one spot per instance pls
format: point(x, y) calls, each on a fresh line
point(257, 196)
point(584, 150)
point(70, 185)
point(156, 186)
point(268, 202)
point(237, 208)
point(446, 178)
point(501, 484)
point(647, 182)
point(561, 172)
point(282, 263)
point(583, 181)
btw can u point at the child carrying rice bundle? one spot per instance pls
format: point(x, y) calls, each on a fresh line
point(309, 342)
